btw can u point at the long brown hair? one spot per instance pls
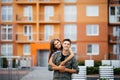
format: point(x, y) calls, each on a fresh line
point(52, 47)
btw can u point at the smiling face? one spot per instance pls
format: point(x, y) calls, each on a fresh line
point(57, 44)
point(66, 45)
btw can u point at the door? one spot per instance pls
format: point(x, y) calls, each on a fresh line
point(49, 11)
point(28, 31)
point(28, 12)
point(43, 58)
point(48, 31)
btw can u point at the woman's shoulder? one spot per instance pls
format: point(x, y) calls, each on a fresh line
point(56, 52)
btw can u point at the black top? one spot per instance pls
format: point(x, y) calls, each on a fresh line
point(63, 57)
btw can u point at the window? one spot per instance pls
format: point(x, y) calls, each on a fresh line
point(114, 14)
point(116, 30)
point(74, 49)
point(115, 49)
point(28, 12)
point(26, 49)
point(112, 10)
point(70, 0)
point(92, 30)
point(49, 11)
point(6, 32)
point(28, 31)
point(70, 13)
point(49, 31)
point(6, 49)
point(70, 31)
point(6, 0)
point(92, 49)
point(7, 13)
point(92, 11)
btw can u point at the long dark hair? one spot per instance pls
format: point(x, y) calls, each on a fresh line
point(52, 47)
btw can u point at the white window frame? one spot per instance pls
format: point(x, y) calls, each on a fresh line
point(28, 31)
point(6, 13)
point(48, 32)
point(74, 49)
point(116, 16)
point(116, 30)
point(6, 0)
point(116, 49)
point(70, 0)
point(70, 31)
point(94, 49)
point(92, 10)
point(28, 12)
point(49, 12)
point(70, 13)
point(26, 49)
point(92, 30)
point(7, 34)
point(6, 49)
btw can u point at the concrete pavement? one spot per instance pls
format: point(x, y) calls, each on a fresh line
point(42, 73)
point(39, 73)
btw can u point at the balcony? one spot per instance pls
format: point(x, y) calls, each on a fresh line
point(112, 38)
point(113, 55)
point(50, 1)
point(114, 2)
point(26, 1)
point(114, 19)
point(6, 37)
point(24, 19)
point(21, 37)
point(49, 19)
point(48, 36)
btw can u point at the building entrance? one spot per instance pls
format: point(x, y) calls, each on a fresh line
point(42, 58)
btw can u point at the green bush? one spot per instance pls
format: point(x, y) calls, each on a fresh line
point(97, 63)
point(81, 63)
point(92, 70)
point(102, 79)
point(117, 71)
point(5, 62)
point(13, 63)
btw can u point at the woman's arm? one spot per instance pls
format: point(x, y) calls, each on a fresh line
point(51, 63)
point(68, 58)
point(55, 67)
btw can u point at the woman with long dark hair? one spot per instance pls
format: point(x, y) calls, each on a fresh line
point(55, 45)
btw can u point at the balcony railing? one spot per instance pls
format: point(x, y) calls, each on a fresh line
point(48, 37)
point(49, 1)
point(114, 2)
point(114, 19)
point(21, 18)
point(21, 37)
point(53, 19)
point(112, 38)
point(6, 37)
point(113, 55)
point(26, 1)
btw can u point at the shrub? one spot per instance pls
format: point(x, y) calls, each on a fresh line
point(117, 71)
point(92, 70)
point(97, 63)
point(5, 62)
point(81, 63)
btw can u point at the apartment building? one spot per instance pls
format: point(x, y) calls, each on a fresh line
point(27, 26)
point(114, 29)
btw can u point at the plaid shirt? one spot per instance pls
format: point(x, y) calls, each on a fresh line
point(72, 64)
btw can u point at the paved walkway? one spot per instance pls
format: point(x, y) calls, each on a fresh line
point(39, 73)
point(42, 73)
